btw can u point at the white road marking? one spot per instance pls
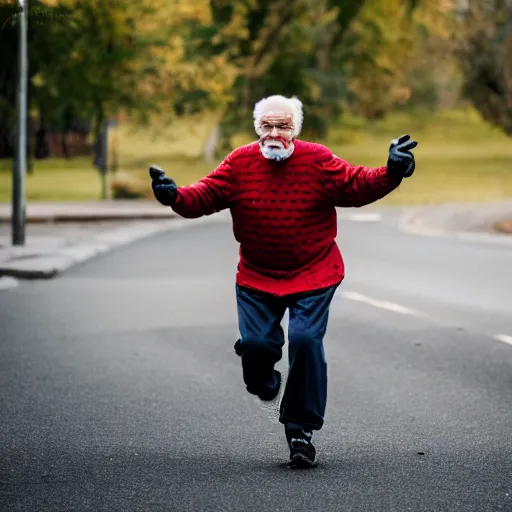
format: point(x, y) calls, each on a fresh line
point(504, 338)
point(365, 217)
point(389, 306)
point(7, 282)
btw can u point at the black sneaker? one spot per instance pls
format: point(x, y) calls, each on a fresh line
point(302, 453)
point(271, 395)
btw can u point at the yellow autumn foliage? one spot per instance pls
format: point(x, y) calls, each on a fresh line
point(389, 43)
point(140, 49)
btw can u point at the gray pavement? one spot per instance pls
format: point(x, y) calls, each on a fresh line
point(121, 390)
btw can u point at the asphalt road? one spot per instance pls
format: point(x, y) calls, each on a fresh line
point(120, 390)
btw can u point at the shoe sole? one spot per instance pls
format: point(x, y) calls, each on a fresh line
point(300, 461)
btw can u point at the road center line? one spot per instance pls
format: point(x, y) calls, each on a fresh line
point(504, 338)
point(389, 306)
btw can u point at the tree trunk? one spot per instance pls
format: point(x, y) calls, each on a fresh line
point(42, 148)
point(64, 144)
point(212, 143)
point(6, 143)
point(100, 150)
point(30, 144)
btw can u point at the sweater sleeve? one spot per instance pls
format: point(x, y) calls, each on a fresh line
point(209, 195)
point(354, 186)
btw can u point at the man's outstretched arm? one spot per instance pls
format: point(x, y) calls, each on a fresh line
point(209, 195)
point(353, 186)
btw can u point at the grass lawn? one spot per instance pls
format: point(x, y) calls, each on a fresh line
point(459, 159)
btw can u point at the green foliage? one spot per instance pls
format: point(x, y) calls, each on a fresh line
point(334, 55)
point(485, 52)
point(129, 54)
point(281, 48)
point(394, 46)
point(158, 60)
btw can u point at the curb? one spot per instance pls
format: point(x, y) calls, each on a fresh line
point(465, 222)
point(60, 218)
point(114, 210)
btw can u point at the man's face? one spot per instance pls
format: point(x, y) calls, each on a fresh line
point(276, 127)
point(276, 135)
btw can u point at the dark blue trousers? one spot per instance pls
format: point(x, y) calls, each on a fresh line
point(260, 346)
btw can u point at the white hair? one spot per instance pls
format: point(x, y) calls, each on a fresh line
point(278, 103)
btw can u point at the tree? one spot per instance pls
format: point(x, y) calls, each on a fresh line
point(8, 81)
point(284, 47)
point(485, 54)
point(332, 54)
point(387, 40)
point(137, 56)
point(9, 72)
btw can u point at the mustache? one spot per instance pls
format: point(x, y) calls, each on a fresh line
point(280, 141)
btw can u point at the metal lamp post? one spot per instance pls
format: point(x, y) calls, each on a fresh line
point(18, 182)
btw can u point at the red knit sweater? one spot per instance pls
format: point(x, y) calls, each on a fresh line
point(284, 213)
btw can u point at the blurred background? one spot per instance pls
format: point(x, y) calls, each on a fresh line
point(116, 85)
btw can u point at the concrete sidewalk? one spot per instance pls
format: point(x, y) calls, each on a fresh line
point(53, 248)
point(60, 235)
point(454, 219)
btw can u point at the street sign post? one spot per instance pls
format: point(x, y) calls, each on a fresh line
point(101, 158)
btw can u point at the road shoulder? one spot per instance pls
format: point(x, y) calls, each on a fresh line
point(468, 221)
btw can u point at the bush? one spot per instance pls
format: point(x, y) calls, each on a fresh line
point(125, 186)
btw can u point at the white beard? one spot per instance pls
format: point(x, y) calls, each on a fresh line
point(277, 154)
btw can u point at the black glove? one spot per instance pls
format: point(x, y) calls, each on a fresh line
point(401, 161)
point(164, 188)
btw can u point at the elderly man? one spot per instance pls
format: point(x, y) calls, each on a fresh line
point(283, 193)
